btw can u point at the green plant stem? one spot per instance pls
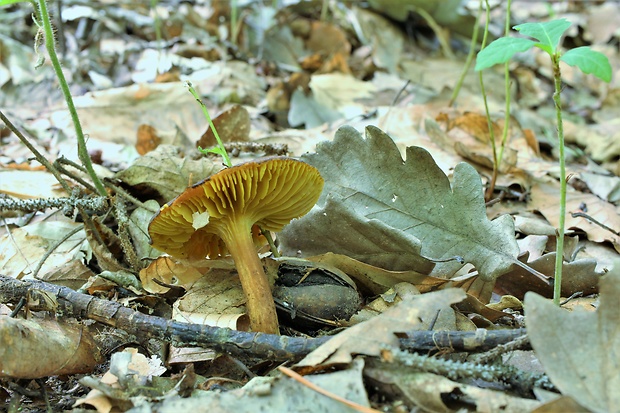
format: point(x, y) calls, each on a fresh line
point(437, 29)
point(470, 56)
point(507, 93)
point(324, 8)
point(157, 22)
point(487, 112)
point(559, 258)
point(81, 141)
point(234, 9)
point(221, 150)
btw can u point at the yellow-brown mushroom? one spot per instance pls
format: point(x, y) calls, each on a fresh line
point(216, 216)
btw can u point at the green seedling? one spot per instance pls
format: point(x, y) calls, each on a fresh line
point(547, 38)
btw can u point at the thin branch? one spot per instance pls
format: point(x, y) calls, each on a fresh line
point(235, 343)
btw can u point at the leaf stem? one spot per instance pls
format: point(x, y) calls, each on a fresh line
point(557, 77)
point(507, 92)
point(50, 45)
point(470, 55)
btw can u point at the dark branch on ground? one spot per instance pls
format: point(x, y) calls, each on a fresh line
point(236, 343)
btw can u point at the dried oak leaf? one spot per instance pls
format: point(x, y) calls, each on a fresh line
point(372, 196)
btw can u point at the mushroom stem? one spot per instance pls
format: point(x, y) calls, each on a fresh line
point(259, 300)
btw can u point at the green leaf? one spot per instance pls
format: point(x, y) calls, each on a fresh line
point(548, 33)
point(368, 183)
point(7, 2)
point(579, 350)
point(501, 51)
point(589, 62)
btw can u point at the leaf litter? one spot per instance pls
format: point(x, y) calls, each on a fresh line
point(401, 229)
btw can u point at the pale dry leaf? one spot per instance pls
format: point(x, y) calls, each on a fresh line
point(545, 198)
point(412, 199)
point(371, 336)
point(217, 293)
point(427, 391)
point(338, 91)
point(30, 184)
point(112, 115)
point(167, 171)
point(382, 35)
point(305, 110)
point(580, 351)
point(21, 251)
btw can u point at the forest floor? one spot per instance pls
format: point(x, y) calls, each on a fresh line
point(421, 280)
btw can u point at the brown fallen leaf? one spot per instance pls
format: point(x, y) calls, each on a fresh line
point(375, 280)
point(578, 276)
point(545, 198)
point(147, 139)
point(32, 349)
point(232, 125)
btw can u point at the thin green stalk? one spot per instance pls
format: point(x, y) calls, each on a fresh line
point(51, 50)
point(491, 187)
point(324, 9)
point(157, 22)
point(470, 56)
point(221, 150)
point(557, 77)
point(234, 9)
point(506, 91)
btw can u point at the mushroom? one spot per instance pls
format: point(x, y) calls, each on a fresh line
point(218, 215)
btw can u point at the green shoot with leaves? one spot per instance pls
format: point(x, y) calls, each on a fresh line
point(548, 36)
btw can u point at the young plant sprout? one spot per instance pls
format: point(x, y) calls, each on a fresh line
point(547, 37)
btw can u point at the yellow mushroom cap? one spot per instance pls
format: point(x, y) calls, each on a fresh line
point(268, 192)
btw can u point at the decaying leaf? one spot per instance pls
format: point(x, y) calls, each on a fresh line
point(578, 276)
point(169, 271)
point(545, 198)
point(375, 280)
point(373, 187)
point(166, 171)
point(580, 351)
point(371, 336)
point(232, 125)
point(427, 391)
point(211, 299)
point(68, 348)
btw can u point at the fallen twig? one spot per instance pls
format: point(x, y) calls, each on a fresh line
point(235, 343)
